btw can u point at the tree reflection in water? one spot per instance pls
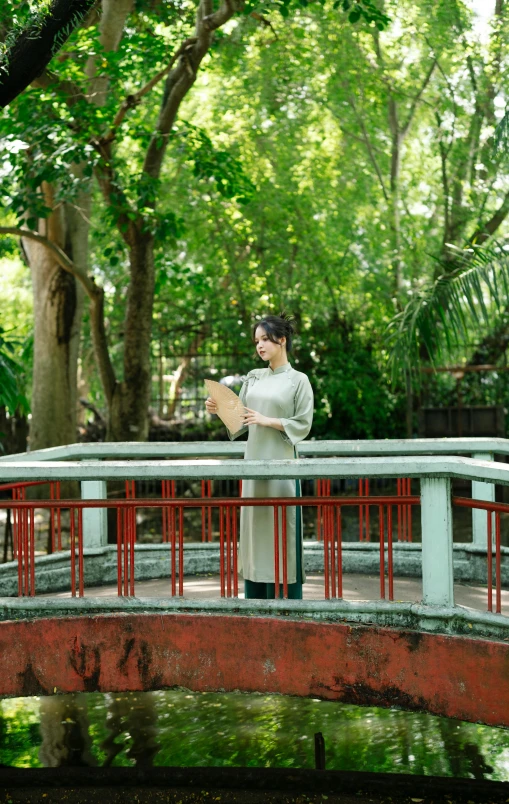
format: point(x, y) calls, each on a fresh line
point(64, 732)
point(181, 728)
point(133, 718)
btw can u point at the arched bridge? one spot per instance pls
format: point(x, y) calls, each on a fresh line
point(80, 618)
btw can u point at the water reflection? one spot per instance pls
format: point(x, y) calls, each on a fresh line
point(132, 724)
point(180, 728)
point(65, 739)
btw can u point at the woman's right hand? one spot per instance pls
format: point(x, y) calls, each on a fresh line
point(210, 405)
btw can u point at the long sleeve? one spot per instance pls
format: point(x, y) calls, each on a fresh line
point(298, 426)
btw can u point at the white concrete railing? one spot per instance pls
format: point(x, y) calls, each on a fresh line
point(434, 472)
point(483, 449)
point(474, 447)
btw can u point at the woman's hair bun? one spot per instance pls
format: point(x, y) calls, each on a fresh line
point(287, 318)
point(277, 327)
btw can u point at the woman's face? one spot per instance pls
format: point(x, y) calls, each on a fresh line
point(266, 348)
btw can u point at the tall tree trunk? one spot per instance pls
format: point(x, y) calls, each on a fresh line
point(128, 420)
point(129, 399)
point(58, 307)
point(58, 297)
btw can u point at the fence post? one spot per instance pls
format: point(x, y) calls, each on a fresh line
point(481, 491)
point(95, 521)
point(437, 557)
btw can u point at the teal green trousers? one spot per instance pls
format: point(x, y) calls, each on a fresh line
point(266, 591)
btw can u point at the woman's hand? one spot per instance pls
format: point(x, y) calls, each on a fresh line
point(253, 417)
point(210, 405)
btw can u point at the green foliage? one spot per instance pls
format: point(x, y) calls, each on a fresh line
point(352, 396)
point(438, 321)
point(19, 732)
point(501, 141)
point(290, 112)
point(213, 164)
point(37, 149)
point(11, 373)
point(355, 10)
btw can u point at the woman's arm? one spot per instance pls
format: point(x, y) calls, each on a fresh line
point(297, 427)
point(253, 417)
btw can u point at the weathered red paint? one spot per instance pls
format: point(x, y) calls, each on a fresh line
point(446, 675)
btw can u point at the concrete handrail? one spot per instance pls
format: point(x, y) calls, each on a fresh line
point(370, 467)
point(199, 449)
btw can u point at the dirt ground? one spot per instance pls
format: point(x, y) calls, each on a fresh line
point(238, 786)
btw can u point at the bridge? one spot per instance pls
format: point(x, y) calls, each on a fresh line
point(58, 633)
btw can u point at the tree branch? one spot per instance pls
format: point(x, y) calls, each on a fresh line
point(131, 101)
point(113, 194)
point(266, 22)
point(93, 291)
point(36, 46)
point(369, 147)
point(485, 231)
point(59, 254)
point(417, 98)
point(222, 15)
point(182, 77)
point(348, 133)
point(445, 179)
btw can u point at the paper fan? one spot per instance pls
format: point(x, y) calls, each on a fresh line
point(230, 409)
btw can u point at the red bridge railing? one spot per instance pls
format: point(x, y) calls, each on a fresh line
point(392, 525)
point(18, 491)
point(173, 533)
point(323, 489)
point(493, 545)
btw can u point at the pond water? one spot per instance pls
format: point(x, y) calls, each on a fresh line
point(181, 728)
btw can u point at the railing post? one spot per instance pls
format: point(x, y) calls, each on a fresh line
point(95, 521)
point(481, 491)
point(437, 558)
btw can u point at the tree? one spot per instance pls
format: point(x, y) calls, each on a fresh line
point(49, 193)
point(466, 299)
point(131, 204)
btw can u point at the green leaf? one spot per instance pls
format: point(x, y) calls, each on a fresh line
point(446, 312)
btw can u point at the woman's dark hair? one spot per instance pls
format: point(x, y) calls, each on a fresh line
point(277, 327)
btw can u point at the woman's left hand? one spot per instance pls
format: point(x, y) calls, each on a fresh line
point(253, 417)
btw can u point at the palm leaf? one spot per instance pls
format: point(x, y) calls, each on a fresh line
point(501, 138)
point(11, 374)
point(8, 383)
point(442, 316)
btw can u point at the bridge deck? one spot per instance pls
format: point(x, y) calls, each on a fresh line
point(355, 587)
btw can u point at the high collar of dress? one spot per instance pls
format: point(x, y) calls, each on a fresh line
point(280, 369)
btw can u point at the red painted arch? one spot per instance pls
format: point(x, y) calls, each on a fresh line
point(446, 675)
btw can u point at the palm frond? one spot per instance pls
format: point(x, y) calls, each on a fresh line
point(441, 317)
point(11, 374)
point(501, 138)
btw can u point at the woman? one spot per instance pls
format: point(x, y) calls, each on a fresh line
point(279, 413)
